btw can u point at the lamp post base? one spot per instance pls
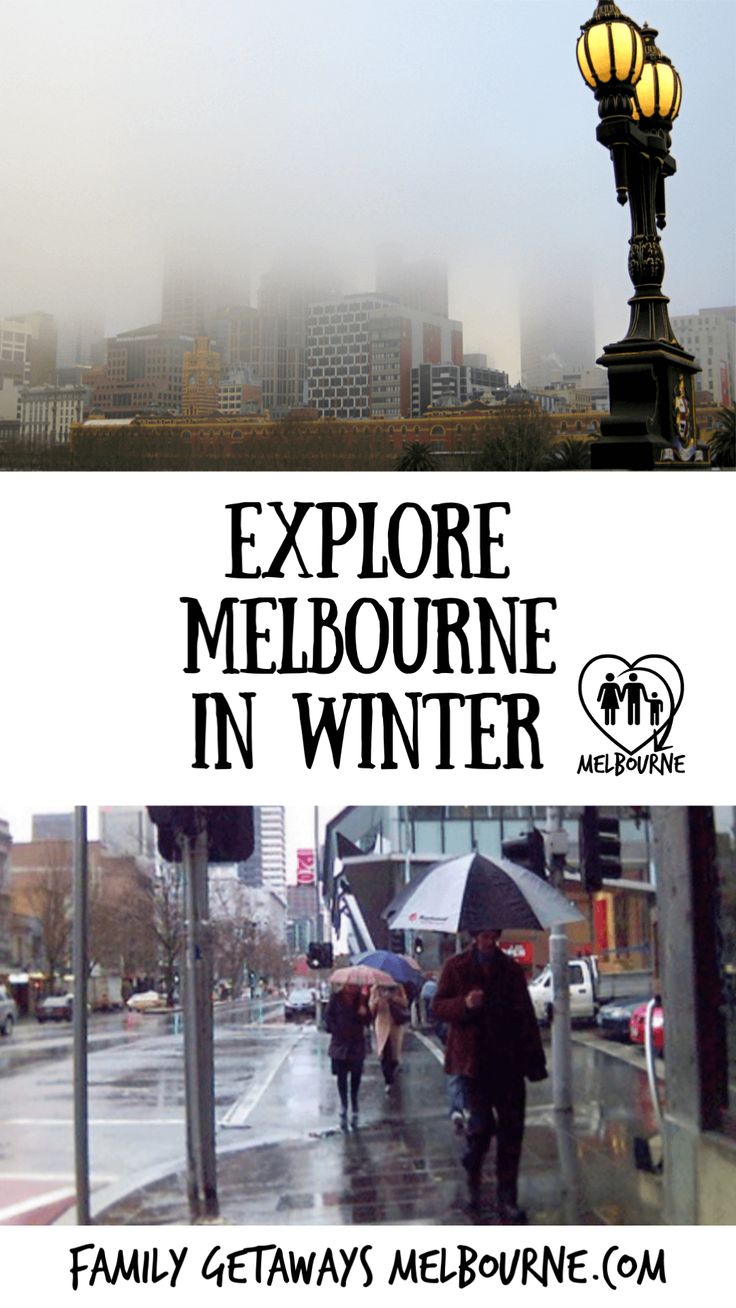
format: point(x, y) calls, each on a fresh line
point(652, 414)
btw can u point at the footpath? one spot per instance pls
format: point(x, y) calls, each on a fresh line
point(284, 1160)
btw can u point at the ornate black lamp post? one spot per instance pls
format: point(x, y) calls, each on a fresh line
point(650, 377)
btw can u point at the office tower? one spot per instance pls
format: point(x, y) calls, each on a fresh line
point(557, 330)
point(419, 283)
point(144, 370)
point(266, 866)
point(285, 293)
point(249, 338)
point(195, 289)
point(710, 334)
point(127, 831)
point(81, 342)
point(47, 412)
point(361, 349)
point(29, 340)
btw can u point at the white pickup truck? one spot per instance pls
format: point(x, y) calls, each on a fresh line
point(8, 1013)
point(589, 988)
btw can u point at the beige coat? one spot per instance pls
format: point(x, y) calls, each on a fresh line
point(385, 1027)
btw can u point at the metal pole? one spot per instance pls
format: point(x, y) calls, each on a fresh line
point(198, 1043)
point(80, 966)
point(559, 955)
point(318, 925)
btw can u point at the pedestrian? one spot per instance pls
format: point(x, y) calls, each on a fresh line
point(347, 1019)
point(493, 1044)
point(390, 1009)
point(426, 995)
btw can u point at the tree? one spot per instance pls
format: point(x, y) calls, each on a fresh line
point(416, 456)
point(233, 932)
point(269, 958)
point(168, 923)
point(722, 443)
point(48, 897)
point(121, 910)
point(569, 455)
point(519, 442)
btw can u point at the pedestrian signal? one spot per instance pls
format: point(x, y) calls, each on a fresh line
point(600, 849)
point(418, 945)
point(526, 851)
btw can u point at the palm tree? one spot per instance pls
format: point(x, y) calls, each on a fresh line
point(569, 455)
point(722, 444)
point(416, 456)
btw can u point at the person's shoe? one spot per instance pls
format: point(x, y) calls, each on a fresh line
point(388, 1088)
point(458, 1121)
point(509, 1211)
point(354, 1117)
point(343, 1117)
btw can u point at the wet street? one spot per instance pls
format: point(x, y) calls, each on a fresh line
point(136, 1099)
point(283, 1157)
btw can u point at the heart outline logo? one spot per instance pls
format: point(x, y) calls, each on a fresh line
point(610, 700)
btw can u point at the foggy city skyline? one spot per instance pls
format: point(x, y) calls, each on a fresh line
point(241, 136)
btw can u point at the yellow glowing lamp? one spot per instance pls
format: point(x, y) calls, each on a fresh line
point(610, 49)
point(658, 91)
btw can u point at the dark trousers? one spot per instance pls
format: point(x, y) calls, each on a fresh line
point(348, 1073)
point(388, 1064)
point(497, 1106)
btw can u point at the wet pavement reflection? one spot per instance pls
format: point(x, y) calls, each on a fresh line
point(293, 1164)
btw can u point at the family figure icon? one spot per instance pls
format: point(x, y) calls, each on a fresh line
point(611, 697)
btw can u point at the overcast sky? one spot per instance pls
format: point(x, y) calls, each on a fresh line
point(461, 128)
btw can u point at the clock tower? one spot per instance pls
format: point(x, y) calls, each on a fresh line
point(201, 379)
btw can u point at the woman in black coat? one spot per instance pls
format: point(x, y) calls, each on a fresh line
point(346, 1019)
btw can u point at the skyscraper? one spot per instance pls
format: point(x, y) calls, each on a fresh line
point(267, 864)
point(556, 327)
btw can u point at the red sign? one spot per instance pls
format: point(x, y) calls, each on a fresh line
point(521, 951)
point(305, 867)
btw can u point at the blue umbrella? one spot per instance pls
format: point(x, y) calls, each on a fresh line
point(394, 964)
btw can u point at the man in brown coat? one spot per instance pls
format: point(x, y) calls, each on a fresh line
point(493, 1044)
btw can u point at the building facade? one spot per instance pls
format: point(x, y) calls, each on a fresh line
point(201, 378)
point(5, 917)
point(710, 335)
point(267, 864)
point(240, 392)
point(29, 340)
point(47, 412)
point(144, 370)
point(361, 350)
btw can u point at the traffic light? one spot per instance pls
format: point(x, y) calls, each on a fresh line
point(230, 836)
point(319, 954)
point(418, 945)
point(527, 851)
point(600, 849)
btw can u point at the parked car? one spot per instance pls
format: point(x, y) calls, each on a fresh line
point(300, 1003)
point(613, 1018)
point(8, 1013)
point(637, 1027)
point(589, 987)
point(56, 1008)
point(146, 999)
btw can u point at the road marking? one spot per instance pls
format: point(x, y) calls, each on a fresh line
point(67, 1178)
point(42, 1200)
point(439, 1054)
point(96, 1121)
point(239, 1112)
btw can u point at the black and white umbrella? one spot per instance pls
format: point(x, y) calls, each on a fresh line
point(473, 893)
